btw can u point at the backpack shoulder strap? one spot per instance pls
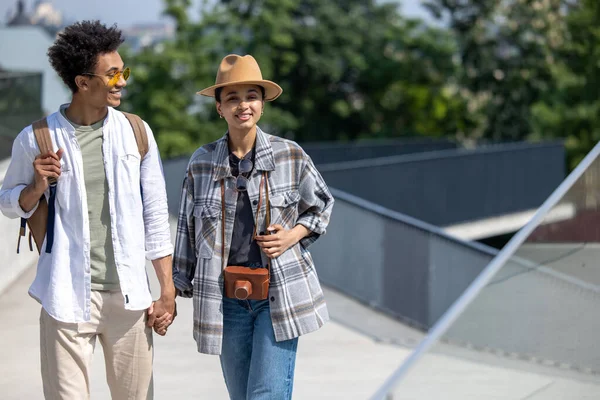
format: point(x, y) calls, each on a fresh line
point(42, 135)
point(43, 139)
point(44, 142)
point(139, 130)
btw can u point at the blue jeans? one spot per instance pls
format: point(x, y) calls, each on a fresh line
point(255, 366)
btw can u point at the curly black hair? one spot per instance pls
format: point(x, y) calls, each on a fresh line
point(78, 46)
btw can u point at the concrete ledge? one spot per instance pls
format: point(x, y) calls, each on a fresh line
point(13, 265)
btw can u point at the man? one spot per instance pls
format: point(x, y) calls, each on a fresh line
point(110, 214)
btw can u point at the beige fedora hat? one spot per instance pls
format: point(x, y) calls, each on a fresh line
point(237, 70)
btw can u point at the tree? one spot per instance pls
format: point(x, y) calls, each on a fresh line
point(349, 69)
point(506, 50)
point(571, 107)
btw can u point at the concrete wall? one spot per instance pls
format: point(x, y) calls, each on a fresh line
point(13, 264)
point(334, 152)
point(451, 186)
point(392, 262)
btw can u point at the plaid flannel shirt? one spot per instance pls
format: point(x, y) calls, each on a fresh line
point(298, 195)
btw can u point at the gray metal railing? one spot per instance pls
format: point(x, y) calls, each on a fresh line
point(336, 152)
point(452, 186)
point(398, 264)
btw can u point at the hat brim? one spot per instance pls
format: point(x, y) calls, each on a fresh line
point(272, 90)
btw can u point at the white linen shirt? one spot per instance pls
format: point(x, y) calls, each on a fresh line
point(138, 214)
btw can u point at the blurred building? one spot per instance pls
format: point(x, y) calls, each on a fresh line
point(24, 43)
point(23, 49)
point(43, 14)
point(20, 104)
point(140, 36)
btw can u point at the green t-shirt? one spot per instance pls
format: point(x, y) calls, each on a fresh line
point(102, 255)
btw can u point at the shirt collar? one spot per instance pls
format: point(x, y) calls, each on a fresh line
point(263, 156)
point(65, 123)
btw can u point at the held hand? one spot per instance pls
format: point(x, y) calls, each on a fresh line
point(161, 314)
point(277, 242)
point(155, 321)
point(161, 324)
point(46, 166)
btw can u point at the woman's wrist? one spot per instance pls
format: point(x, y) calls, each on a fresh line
point(300, 232)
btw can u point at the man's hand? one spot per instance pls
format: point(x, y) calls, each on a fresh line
point(280, 239)
point(45, 166)
point(161, 314)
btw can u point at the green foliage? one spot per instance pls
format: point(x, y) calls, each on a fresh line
point(571, 108)
point(349, 69)
point(506, 49)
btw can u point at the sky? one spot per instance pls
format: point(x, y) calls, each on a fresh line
point(128, 12)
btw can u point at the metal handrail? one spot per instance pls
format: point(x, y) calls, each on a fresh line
point(406, 219)
point(434, 155)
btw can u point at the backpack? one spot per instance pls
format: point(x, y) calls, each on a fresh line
point(42, 220)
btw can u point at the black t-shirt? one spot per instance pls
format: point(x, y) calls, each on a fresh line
point(244, 251)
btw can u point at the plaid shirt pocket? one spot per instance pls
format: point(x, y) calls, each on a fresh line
point(208, 219)
point(284, 208)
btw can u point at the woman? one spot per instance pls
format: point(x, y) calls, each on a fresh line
point(251, 205)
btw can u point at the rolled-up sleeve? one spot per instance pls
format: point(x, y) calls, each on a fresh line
point(184, 258)
point(316, 203)
point(18, 175)
point(154, 197)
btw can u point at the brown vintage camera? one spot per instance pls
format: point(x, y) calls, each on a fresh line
point(245, 283)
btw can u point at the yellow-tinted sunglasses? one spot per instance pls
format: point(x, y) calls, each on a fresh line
point(113, 79)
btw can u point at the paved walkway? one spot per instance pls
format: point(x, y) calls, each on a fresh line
point(335, 362)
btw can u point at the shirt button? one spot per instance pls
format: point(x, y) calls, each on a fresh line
point(272, 298)
point(255, 202)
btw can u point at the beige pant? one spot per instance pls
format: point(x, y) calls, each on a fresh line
point(67, 349)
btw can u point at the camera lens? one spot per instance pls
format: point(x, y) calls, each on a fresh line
point(242, 290)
